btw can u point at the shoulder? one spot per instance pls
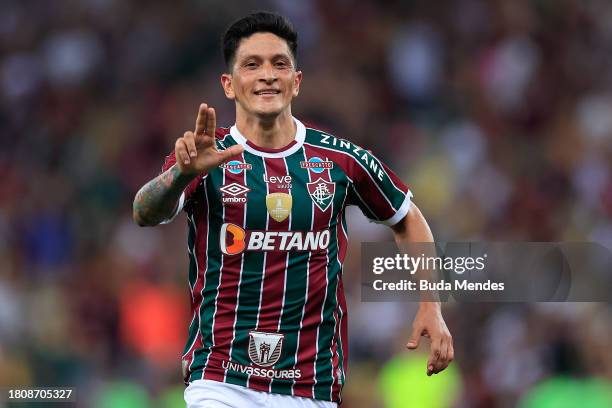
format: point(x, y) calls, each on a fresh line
point(316, 136)
point(324, 139)
point(354, 159)
point(321, 139)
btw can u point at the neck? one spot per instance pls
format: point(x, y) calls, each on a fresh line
point(270, 133)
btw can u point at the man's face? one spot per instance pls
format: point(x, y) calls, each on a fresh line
point(263, 79)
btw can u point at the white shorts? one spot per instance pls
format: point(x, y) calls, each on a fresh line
point(215, 394)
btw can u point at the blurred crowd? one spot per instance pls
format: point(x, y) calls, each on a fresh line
point(497, 113)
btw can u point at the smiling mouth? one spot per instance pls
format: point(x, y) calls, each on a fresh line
point(267, 92)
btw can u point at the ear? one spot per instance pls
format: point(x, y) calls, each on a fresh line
point(296, 83)
point(226, 83)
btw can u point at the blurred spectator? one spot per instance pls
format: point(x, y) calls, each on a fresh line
point(562, 392)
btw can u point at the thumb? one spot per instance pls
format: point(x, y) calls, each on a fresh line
point(415, 337)
point(225, 155)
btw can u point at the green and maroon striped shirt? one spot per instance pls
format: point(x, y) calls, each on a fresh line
point(267, 241)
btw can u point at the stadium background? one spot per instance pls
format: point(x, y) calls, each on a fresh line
point(498, 114)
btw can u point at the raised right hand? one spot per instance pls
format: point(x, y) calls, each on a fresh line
point(196, 151)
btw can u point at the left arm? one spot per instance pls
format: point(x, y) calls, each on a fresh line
point(428, 321)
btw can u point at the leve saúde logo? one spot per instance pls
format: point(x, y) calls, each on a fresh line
point(279, 182)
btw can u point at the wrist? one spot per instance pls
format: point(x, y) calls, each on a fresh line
point(430, 306)
point(183, 175)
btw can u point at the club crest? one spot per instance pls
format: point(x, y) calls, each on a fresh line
point(265, 348)
point(322, 193)
point(279, 205)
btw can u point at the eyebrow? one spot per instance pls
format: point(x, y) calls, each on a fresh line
point(275, 56)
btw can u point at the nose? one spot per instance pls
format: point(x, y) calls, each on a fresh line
point(268, 74)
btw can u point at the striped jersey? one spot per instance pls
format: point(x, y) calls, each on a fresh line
point(267, 239)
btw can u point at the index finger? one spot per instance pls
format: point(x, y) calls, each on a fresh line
point(201, 120)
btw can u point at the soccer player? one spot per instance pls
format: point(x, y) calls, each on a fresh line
point(265, 202)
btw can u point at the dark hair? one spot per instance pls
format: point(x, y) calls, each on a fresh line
point(258, 22)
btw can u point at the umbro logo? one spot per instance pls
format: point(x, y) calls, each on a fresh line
point(234, 190)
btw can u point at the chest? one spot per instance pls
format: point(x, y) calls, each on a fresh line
point(283, 194)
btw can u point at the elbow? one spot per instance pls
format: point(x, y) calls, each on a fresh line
point(143, 222)
point(139, 217)
point(139, 221)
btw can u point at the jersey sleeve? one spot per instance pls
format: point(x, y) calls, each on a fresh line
point(189, 193)
point(377, 190)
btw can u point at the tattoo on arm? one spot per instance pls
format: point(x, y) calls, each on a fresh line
point(157, 200)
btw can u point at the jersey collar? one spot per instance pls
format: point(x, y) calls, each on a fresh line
point(291, 148)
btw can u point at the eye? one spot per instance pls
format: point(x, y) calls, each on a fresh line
point(250, 65)
point(281, 64)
